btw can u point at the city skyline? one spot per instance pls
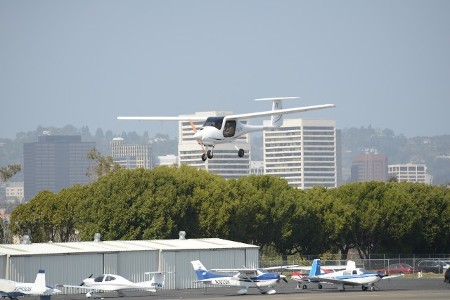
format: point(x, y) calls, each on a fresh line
point(384, 64)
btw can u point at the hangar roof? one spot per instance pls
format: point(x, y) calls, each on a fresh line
point(118, 246)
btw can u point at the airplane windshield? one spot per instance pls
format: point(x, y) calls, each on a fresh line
point(214, 121)
point(99, 278)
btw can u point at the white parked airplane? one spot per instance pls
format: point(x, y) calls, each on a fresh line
point(226, 129)
point(351, 276)
point(12, 289)
point(117, 283)
point(244, 278)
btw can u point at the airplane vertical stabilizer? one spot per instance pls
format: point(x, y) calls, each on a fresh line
point(276, 120)
point(315, 268)
point(158, 280)
point(201, 272)
point(39, 284)
point(351, 265)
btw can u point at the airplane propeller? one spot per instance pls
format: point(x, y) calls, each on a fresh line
point(206, 154)
point(82, 283)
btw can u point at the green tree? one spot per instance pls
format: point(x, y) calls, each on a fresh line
point(103, 165)
point(8, 172)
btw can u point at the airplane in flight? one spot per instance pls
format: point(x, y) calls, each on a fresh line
point(244, 278)
point(351, 276)
point(117, 283)
point(12, 289)
point(226, 129)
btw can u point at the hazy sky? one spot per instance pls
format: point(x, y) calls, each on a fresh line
point(383, 63)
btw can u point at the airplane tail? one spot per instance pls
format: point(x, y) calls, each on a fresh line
point(200, 270)
point(276, 120)
point(315, 268)
point(39, 285)
point(351, 265)
point(158, 280)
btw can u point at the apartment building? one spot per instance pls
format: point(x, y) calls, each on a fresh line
point(131, 156)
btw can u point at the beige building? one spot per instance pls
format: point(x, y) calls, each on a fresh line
point(369, 166)
point(14, 191)
point(131, 156)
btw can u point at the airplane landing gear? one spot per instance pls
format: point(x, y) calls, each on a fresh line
point(208, 153)
point(241, 152)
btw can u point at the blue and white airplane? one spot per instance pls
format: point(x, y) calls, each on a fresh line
point(351, 276)
point(244, 278)
point(12, 289)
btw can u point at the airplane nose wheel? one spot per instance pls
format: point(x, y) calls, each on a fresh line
point(209, 154)
point(241, 153)
point(204, 157)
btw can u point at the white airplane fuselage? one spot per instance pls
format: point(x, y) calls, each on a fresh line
point(117, 283)
point(210, 135)
point(244, 283)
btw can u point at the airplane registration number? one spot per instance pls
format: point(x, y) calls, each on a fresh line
point(222, 281)
point(23, 289)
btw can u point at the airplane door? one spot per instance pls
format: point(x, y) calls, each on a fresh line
point(230, 128)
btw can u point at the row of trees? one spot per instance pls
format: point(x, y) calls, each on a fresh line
point(372, 217)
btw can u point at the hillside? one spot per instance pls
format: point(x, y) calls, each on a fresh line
point(433, 151)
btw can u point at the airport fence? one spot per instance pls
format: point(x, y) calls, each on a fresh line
point(372, 262)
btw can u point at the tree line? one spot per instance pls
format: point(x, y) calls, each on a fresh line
point(372, 217)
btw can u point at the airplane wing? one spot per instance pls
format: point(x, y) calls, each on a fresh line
point(391, 276)
point(247, 271)
point(81, 287)
point(278, 112)
point(179, 118)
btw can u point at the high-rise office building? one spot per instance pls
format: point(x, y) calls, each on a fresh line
point(303, 152)
point(55, 162)
point(131, 156)
point(225, 162)
point(369, 166)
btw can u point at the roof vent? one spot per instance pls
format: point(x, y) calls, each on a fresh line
point(182, 235)
point(26, 239)
point(97, 237)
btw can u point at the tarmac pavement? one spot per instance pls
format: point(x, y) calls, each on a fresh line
point(396, 288)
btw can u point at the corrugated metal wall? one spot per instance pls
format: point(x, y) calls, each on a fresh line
point(59, 269)
point(181, 275)
point(3, 263)
point(73, 268)
point(133, 265)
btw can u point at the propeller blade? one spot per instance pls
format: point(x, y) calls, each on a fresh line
point(82, 283)
point(193, 126)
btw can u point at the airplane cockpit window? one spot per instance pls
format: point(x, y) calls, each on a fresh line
point(214, 121)
point(109, 278)
point(354, 272)
point(229, 128)
point(99, 278)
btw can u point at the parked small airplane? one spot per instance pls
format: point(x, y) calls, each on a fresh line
point(117, 283)
point(226, 129)
point(244, 278)
point(300, 274)
point(12, 289)
point(351, 276)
